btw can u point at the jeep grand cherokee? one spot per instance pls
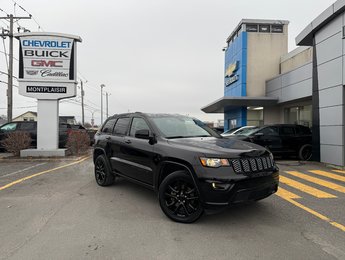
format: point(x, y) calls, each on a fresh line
point(192, 168)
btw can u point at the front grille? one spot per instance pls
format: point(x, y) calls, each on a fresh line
point(250, 166)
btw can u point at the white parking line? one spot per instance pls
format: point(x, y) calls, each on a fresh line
point(23, 170)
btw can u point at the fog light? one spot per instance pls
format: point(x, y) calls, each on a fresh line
point(220, 186)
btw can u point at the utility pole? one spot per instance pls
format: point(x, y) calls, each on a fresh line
point(82, 102)
point(11, 19)
point(102, 86)
point(107, 95)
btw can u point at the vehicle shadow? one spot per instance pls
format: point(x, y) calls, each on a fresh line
point(236, 214)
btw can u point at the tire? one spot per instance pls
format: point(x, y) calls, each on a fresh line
point(305, 152)
point(103, 174)
point(179, 198)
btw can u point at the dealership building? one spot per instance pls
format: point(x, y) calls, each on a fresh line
point(266, 84)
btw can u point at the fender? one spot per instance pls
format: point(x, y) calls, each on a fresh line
point(179, 164)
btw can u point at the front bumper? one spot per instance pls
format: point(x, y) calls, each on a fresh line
point(219, 194)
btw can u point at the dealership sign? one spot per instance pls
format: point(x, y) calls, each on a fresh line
point(47, 65)
point(230, 73)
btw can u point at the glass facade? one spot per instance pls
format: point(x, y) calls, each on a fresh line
point(301, 115)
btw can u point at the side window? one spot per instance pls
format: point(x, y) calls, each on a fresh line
point(138, 124)
point(108, 126)
point(9, 127)
point(272, 130)
point(287, 130)
point(28, 126)
point(121, 126)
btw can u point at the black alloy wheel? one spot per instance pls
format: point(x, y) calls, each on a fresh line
point(103, 175)
point(179, 198)
point(305, 152)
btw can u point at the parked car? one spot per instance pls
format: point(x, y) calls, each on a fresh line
point(31, 128)
point(281, 139)
point(192, 168)
point(238, 130)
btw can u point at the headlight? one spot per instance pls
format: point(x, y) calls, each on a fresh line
point(214, 162)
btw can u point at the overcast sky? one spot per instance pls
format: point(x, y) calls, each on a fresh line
point(153, 56)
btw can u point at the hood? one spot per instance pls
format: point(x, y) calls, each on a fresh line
point(220, 146)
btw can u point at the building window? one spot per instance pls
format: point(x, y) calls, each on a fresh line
point(252, 28)
point(264, 28)
point(301, 115)
point(255, 116)
point(277, 28)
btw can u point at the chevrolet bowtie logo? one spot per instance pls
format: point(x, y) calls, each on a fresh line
point(232, 68)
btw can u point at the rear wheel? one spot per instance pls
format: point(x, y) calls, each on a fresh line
point(179, 198)
point(305, 152)
point(103, 174)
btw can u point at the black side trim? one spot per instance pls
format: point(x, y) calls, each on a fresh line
point(148, 186)
point(71, 64)
point(316, 109)
point(21, 62)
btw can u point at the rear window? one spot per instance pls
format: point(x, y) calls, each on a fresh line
point(302, 130)
point(287, 130)
point(27, 126)
point(121, 126)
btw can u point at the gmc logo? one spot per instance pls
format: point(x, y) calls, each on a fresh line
point(46, 63)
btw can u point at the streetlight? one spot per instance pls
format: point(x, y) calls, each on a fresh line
point(107, 95)
point(102, 86)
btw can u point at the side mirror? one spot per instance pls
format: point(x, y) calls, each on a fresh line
point(258, 134)
point(142, 134)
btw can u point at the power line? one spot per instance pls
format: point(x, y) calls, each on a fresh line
point(8, 55)
point(4, 11)
point(4, 73)
point(19, 107)
point(32, 17)
point(7, 83)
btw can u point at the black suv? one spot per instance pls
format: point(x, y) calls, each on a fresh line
point(191, 167)
point(31, 128)
point(281, 139)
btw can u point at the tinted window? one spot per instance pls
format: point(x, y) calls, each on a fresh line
point(108, 127)
point(287, 130)
point(28, 126)
point(9, 127)
point(121, 126)
point(303, 130)
point(269, 130)
point(138, 124)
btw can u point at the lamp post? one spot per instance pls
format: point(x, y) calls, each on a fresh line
point(102, 86)
point(107, 95)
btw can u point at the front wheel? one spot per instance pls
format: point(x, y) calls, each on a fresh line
point(305, 152)
point(179, 198)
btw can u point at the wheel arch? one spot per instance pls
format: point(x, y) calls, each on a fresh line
point(171, 165)
point(97, 152)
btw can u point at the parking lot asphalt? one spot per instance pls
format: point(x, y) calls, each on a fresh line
point(55, 210)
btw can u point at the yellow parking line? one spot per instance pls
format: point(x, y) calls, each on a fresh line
point(318, 181)
point(329, 175)
point(305, 188)
point(288, 196)
point(40, 173)
point(340, 171)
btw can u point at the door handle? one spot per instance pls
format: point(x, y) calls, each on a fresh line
point(108, 138)
point(128, 141)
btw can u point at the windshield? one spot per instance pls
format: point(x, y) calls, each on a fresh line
point(246, 131)
point(182, 127)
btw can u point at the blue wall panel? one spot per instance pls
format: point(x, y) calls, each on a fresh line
point(236, 52)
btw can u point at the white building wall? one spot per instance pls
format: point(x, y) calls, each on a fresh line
point(330, 66)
